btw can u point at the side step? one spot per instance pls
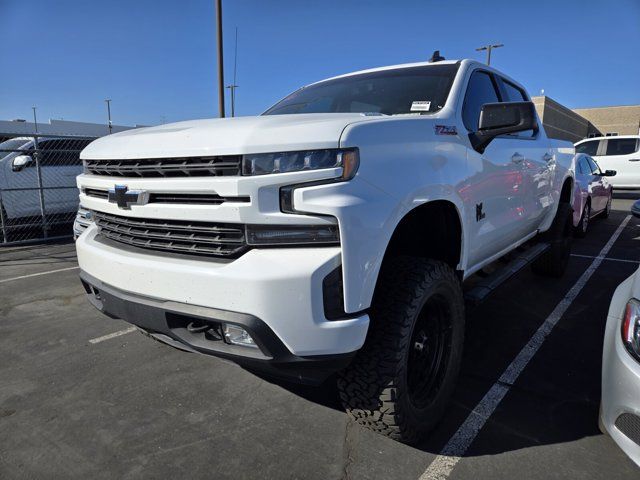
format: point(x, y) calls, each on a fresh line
point(487, 285)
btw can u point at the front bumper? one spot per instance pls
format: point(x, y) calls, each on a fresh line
point(620, 405)
point(281, 287)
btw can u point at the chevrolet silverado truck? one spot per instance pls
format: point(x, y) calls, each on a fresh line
point(342, 231)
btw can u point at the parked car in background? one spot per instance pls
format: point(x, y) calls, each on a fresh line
point(619, 153)
point(620, 404)
point(60, 163)
point(593, 193)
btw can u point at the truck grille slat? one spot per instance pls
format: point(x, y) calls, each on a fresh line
point(200, 238)
point(167, 167)
point(181, 198)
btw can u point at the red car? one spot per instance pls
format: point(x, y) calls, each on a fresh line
point(593, 193)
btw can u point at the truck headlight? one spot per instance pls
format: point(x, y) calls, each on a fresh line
point(283, 162)
point(631, 328)
point(292, 234)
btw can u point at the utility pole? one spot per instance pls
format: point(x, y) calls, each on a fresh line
point(233, 86)
point(488, 48)
point(108, 102)
point(35, 120)
point(220, 59)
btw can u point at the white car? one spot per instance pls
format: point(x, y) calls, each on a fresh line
point(334, 232)
point(619, 153)
point(620, 404)
point(59, 163)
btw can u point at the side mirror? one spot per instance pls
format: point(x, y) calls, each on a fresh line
point(635, 209)
point(20, 162)
point(501, 118)
point(609, 173)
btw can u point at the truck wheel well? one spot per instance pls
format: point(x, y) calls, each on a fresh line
point(431, 230)
point(565, 193)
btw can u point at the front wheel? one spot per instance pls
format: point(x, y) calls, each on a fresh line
point(402, 379)
point(583, 225)
point(554, 261)
point(607, 210)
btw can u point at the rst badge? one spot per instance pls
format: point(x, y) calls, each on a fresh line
point(124, 198)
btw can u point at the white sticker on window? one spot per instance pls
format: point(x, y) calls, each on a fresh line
point(420, 106)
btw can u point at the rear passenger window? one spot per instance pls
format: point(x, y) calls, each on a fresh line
point(514, 94)
point(590, 147)
point(480, 90)
point(595, 169)
point(622, 146)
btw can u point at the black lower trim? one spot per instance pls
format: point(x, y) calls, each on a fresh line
point(184, 326)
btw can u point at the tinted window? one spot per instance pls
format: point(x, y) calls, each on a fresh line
point(514, 94)
point(590, 147)
point(583, 166)
point(390, 92)
point(479, 91)
point(595, 169)
point(621, 146)
point(61, 152)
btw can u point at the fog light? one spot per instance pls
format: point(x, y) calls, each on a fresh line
point(236, 335)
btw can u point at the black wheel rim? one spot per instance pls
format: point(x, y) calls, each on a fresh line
point(429, 351)
point(585, 220)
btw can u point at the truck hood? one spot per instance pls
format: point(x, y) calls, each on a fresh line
point(226, 136)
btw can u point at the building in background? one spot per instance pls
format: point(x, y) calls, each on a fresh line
point(576, 124)
point(611, 121)
point(11, 128)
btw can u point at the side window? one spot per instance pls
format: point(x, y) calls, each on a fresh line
point(583, 166)
point(595, 169)
point(621, 146)
point(480, 90)
point(590, 147)
point(514, 94)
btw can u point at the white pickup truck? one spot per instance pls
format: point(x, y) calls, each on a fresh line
point(339, 231)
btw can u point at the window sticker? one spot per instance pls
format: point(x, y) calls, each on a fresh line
point(420, 106)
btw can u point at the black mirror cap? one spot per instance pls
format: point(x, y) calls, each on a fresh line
point(635, 209)
point(502, 118)
point(610, 173)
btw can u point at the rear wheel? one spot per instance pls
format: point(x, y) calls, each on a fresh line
point(401, 380)
point(581, 229)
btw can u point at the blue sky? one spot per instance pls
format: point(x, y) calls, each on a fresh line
point(156, 59)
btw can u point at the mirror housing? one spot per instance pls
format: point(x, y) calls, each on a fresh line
point(635, 209)
point(609, 173)
point(501, 118)
point(20, 162)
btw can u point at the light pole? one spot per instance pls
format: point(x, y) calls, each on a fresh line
point(108, 102)
point(233, 86)
point(488, 48)
point(35, 120)
point(220, 60)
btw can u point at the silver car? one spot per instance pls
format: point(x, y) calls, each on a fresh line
point(620, 404)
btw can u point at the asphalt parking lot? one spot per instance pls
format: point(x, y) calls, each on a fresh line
point(78, 402)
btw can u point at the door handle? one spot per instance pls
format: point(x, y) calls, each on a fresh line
point(517, 158)
point(547, 157)
point(634, 159)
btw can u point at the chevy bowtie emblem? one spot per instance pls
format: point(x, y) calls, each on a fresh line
point(124, 198)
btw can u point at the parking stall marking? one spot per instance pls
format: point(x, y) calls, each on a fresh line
point(38, 274)
point(442, 466)
point(109, 336)
point(607, 258)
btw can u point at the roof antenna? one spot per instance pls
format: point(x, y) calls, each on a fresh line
point(436, 57)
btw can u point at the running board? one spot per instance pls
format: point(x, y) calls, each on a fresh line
point(487, 285)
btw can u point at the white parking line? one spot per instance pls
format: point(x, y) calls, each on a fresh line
point(37, 274)
point(113, 335)
point(607, 258)
point(457, 445)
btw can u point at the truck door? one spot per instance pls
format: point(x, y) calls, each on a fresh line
point(538, 164)
point(493, 191)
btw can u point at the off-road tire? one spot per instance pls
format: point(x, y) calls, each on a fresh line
point(554, 261)
point(581, 229)
point(413, 296)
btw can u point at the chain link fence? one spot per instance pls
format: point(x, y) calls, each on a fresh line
point(38, 192)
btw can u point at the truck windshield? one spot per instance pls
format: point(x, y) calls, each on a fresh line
point(398, 91)
point(8, 147)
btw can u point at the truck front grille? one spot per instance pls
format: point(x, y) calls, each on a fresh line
point(173, 198)
point(167, 167)
point(177, 236)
